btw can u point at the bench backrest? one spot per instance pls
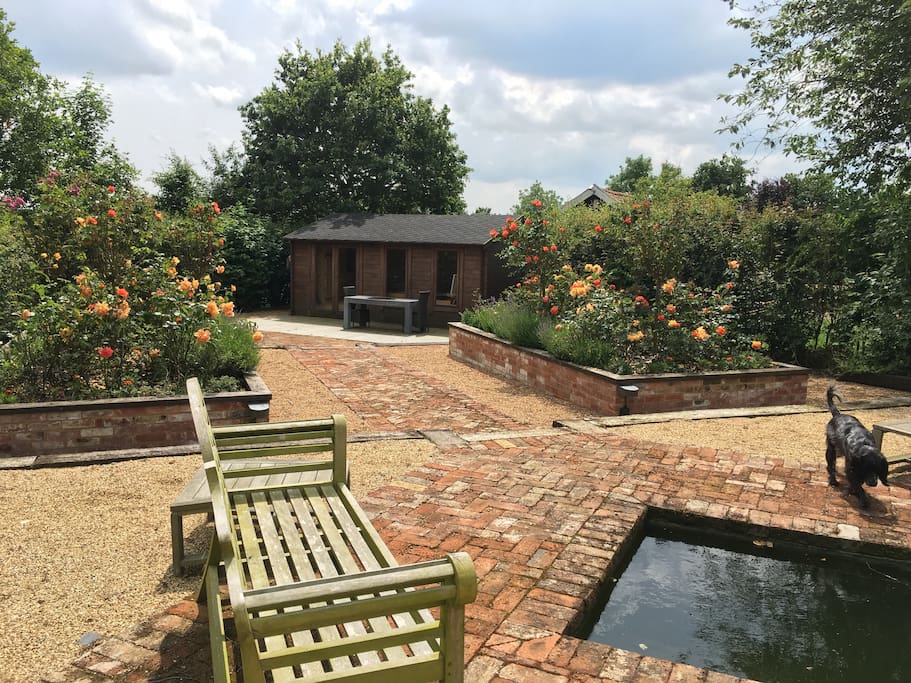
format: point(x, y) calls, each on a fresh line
point(269, 440)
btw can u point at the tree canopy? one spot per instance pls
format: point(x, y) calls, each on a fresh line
point(179, 185)
point(342, 131)
point(630, 173)
point(831, 83)
point(549, 199)
point(727, 176)
point(44, 124)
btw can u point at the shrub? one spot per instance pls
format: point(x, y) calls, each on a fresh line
point(508, 319)
point(256, 255)
point(105, 313)
point(581, 316)
point(680, 328)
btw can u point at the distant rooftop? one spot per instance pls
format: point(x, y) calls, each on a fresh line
point(596, 194)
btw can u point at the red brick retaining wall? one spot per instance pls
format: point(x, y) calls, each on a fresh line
point(32, 429)
point(598, 391)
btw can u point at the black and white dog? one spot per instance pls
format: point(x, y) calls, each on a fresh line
point(864, 464)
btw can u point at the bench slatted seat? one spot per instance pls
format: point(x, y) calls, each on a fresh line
point(315, 593)
point(194, 498)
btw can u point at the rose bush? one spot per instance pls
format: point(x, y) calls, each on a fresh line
point(585, 318)
point(119, 300)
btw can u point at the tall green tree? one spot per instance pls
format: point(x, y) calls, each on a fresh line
point(343, 131)
point(830, 82)
point(630, 173)
point(669, 182)
point(226, 183)
point(179, 185)
point(727, 176)
point(25, 114)
point(550, 200)
point(44, 124)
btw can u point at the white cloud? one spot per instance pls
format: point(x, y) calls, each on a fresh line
point(185, 34)
point(560, 93)
point(220, 94)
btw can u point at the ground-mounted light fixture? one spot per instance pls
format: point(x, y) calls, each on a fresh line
point(627, 390)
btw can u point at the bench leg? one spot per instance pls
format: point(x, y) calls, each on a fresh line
point(177, 551)
point(878, 438)
point(218, 641)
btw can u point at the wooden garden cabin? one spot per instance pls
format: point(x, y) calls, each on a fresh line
point(396, 255)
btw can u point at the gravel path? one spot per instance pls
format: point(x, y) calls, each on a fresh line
point(88, 548)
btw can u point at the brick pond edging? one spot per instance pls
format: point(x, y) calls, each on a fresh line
point(599, 391)
point(30, 431)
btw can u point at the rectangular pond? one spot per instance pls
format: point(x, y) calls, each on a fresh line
point(774, 611)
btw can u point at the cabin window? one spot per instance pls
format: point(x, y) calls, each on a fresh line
point(395, 272)
point(447, 277)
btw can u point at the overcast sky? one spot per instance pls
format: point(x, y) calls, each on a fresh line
point(560, 92)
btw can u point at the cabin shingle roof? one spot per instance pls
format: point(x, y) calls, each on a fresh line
point(401, 228)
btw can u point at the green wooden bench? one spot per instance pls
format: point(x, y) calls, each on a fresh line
point(315, 593)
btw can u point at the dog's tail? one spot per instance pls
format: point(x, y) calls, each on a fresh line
point(832, 394)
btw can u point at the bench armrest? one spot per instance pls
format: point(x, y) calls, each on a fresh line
point(450, 581)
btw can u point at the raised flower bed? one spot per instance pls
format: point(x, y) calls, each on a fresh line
point(36, 434)
point(598, 391)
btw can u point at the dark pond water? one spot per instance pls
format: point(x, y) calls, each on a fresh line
point(739, 609)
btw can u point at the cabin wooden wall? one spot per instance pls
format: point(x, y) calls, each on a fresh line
point(420, 274)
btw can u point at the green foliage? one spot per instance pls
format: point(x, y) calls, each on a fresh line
point(726, 176)
point(550, 200)
point(342, 131)
point(633, 170)
point(830, 83)
point(572, 343)
point(255, 255)
point(44, 124)
point(179, 185)
point(510, 318)
point(16, 267)
point(874, 334)
point(680, 328)
point(669, 183)
point(642, 243)
point(533, 245)
point(635, 178)
point(226, 182)
point(654, 324)
point(103, 310)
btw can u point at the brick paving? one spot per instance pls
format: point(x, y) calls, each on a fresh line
point(545, 517)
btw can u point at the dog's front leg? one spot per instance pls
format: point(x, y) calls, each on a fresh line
point(856, 482)
point(857, 489)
